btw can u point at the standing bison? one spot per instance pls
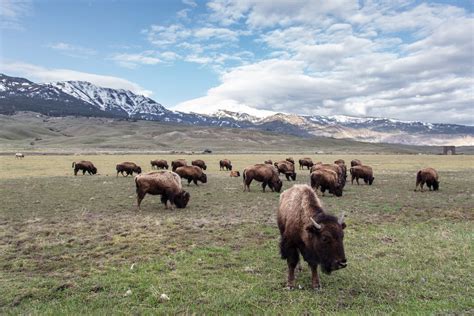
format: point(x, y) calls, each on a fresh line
point(85, 166)
point(225, 164)
point(325, 179)
point(287, 168)
point(307, 230)
point(267, 174)
point(362, 172)
point(164, 183)
point(306, 162)
point(192, 173)
point(334, 167)
point(159, 164)
point(199, 163)
point(428, 176)
point(128, 167)
point(178, 163)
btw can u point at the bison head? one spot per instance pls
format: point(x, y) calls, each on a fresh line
point(181, 199)
point(138, 170)
point(435, 185)
point(293, 176)
point(326, 242)
point(203, 178)
point(166, 166)
point(230, 167)
point(94, 170)
point(371, 180)
point(238, 174)
point(204, 167)
point(277, 184)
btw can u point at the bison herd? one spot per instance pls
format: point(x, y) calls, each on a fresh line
point(305, 228)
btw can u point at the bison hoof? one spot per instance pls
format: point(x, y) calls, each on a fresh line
point(317, 288)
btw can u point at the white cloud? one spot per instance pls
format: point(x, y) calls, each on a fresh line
point(72, 50)
point(42, 74)
point(12, 12)
point(133, 60)
point(190, 3)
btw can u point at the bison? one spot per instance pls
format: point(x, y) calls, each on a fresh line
point(326, 179)
point(199, 163)
point(159, 164)
point(334, 167)
point(235, 174)
point(268, 162)
point(264, 173)
point(307, 230)
point(225, 164)
point(363, 172)
point(164, 183)
point(178, 163)
point(287, 168)
point(306, 162)
point(356, 162)
point(84, 165)
point(290, 159)
point(128, 167)
point(428, 176)
point(192, 173)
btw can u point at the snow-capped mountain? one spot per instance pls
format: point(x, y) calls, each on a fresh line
point(86, 99)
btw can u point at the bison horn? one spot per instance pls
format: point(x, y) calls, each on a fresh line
point(315, 224)
point(341, 219)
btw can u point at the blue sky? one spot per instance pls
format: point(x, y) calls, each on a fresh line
point(402, 59)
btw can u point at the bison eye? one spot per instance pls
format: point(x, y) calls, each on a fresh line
point(325, 239)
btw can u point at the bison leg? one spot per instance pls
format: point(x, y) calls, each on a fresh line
point(314, 277)
point(164, 200)
point(292, 261)
point(195, 182)
point(287, 177)
point(84, 172)
point(189, 181)
point(422, 184)
point(357, 180)
point(140, 196)
point(352, 179)
point(264, 185)
point(75, 171)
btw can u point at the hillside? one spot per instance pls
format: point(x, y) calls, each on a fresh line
point(33, 132)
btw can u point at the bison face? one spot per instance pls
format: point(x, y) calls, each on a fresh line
point(327, 245)
point(371, 180)
point(181, 199)
point(203, 178)
point(230, 167)
point(139, 170)
point(435, 185)
point(204, 167)
point(293, 176)
point(338, 191)
point(238, 174)
point(166, 166)
point(277, 185)
point(94, 170)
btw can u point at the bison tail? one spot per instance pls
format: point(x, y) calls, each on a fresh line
point(73, 164)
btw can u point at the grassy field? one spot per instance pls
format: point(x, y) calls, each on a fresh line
point(72, 245)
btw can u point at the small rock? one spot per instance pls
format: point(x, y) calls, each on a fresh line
point(92, 199)
point(128, 293)
point(132, 266)
point(164, 297)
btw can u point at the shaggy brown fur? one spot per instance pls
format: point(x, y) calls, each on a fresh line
point(428, 176)
point(225, 164)
point(235, 174)
point(267, 174)
point(199, 163)
point(306, 162)
point(269, 162)
point(363, 172)
point(84, 165)
point(319, 244)
point(356, 162)
point(290, 159)
point(164, 183)
point(326, 179)
point(192, 173)
point(159, 164)
point(128, 167)
point(287, 168)
point(341, 163)
point(341, 177)
point(178, 163)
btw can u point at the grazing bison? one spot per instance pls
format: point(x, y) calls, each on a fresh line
point(192, 173)
point(307, 230)
point(428, 176)
point(19, 156)
point(235, 174)
point(225, 164)
point(178, 163)
point(84, 165)
point(306, 162)
point(287, 168)
point(128, 167)
point(164, 183)
point(334, 167)
point(159, 164)
point(269, 162)
point(264, 173)
point(356, 162)
point(326, 179)
point(290, 159)
point(364, 172)
point(199, 163)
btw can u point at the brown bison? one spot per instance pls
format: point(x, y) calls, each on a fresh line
point(128, 167)
point(326, 179)
point(84, 165)
point(287, 168)
point(428, 176)
point(334, 167)
point(178, 163)
point(199, 163)
point(159, 164)
point(363, 172)
point(306, 162)
point(341, 163)
point(264, 173)
point(225, 164)
point(192, 173)
point(235, 174)
point(307, 230)
point(290, 159)
point(164, 183)
point(268, 162)
point(356, 162)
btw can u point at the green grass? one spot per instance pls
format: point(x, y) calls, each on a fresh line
point(67, 244)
